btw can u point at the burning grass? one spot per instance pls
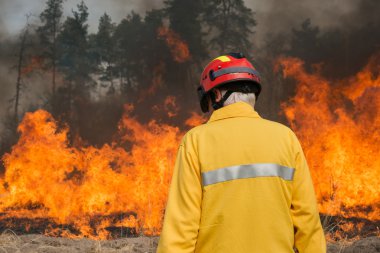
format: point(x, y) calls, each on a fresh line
point(120, 189)
point(338, 125)
point(45, 178)
point(117, 190)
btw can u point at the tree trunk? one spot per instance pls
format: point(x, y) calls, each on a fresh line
point(19, 72)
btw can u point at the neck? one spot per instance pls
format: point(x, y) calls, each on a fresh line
point(235, 97)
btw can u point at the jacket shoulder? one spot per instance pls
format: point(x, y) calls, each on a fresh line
point(277, 126)
point(192, 133)
point(283, 131)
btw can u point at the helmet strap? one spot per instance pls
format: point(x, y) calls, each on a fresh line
point(220, 104)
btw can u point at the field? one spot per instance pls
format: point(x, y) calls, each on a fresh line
point(11, 243)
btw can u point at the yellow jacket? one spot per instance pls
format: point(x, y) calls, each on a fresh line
point(241, 185)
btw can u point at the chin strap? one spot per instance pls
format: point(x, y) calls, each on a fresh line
point(218, 105)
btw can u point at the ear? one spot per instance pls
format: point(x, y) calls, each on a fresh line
point(218, 94)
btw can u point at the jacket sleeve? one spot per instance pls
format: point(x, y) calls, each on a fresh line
point(309, 235)
point(183, 210)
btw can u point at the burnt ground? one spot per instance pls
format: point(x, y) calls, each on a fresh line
point(366, 245)
point(349, 228)
point(11, 243)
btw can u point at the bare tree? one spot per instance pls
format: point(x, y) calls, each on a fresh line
point(23, 45)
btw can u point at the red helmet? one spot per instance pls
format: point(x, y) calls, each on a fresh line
point(224, 69)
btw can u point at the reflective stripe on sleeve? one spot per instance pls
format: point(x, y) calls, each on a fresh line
point(247, 171)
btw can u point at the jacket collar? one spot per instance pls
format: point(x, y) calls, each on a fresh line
point(239, 109)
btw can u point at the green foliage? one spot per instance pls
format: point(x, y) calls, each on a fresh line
point(74, 60)
point(230, 24)
point(51, 23)
point(104, 41)
point(128, 39)
point(51, 19)
point(76, 65)
point(102, 47)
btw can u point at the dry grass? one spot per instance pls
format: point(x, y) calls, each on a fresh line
point(12, 243)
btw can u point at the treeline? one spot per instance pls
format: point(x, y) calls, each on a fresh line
point(134, 61)
point(145, 58)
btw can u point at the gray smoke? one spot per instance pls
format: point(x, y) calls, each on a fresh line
point(280, 16)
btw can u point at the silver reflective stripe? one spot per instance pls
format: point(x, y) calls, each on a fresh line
point(247, 171)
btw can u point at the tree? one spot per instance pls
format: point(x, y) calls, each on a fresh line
point(184, 17)
point(74, 59)
point(51, 24)
point(129, 44)
point(105, 48)
point(21, 55)
point(305, 43)
point(230, 24)
point(76, 65)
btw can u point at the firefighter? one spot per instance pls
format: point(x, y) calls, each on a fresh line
point(241, 183)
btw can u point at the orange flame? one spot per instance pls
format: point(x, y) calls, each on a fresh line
point(338, 125)
point(195, 120)
point(157, 79)
point(46, 177)
point(178, 48)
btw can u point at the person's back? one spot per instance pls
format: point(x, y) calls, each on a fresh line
point(241, 184)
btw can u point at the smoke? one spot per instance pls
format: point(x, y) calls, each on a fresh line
point(3, 30)
point(5, 92)
point(7, 77)
point(280, 16)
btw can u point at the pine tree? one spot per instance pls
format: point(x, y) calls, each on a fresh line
point(105, 48)
point(51, 24)
point(75, 64)
point(129, 43)
point(230, 24)
point(73, 45)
